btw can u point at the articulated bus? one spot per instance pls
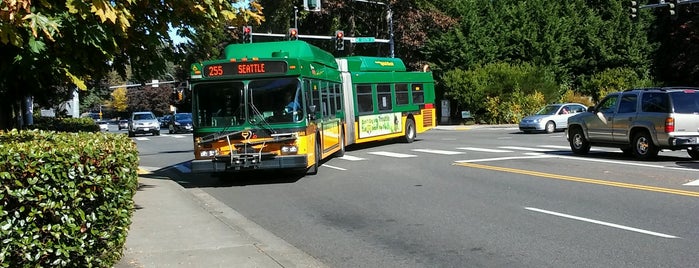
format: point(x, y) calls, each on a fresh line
point(289, 105)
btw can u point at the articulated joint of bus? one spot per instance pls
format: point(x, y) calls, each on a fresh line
point(240, 151)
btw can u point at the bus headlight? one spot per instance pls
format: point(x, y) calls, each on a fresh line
point(289, 149)
point(208, 153)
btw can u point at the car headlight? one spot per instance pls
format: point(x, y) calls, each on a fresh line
point(537, 120)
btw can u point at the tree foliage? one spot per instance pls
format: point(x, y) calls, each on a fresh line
point(50, 48)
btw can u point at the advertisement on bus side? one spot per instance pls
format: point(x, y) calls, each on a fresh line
point(379, 124)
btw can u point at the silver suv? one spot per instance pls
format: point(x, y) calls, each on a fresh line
point(143, 122)
point(640, 122)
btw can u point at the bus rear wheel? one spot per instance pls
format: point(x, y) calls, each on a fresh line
point(410, 132)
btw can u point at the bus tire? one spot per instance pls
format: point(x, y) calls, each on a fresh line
point(313, 170)
point(341, 152)
point(410, 132)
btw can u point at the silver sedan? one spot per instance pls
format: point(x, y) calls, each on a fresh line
point(551, 118)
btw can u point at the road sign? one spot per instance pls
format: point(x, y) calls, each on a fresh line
point(364, 40)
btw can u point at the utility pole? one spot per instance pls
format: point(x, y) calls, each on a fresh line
point(389, 18)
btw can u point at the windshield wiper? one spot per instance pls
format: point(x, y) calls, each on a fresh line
point(257, 113)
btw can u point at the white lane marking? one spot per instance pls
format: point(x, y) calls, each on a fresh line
point(432, 151)
point(623, 163)
point(351, 158)
point(177, 136)
point(142, 139)
point(568, 148)
point(389, 154)
point(333, 167)
point(484, 150)
point(693, 183)
point(555, 146)
point(506, 158)
point(526, 149)
point(601, 223)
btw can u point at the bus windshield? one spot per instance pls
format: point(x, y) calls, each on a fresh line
point(222, 104)
point(275, 101)
point(218, 104)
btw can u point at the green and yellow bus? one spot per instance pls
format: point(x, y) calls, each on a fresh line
point(289, 105)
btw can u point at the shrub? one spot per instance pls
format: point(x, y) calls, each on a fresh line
point(477, 89)
point(66, 199)
point(65, 124)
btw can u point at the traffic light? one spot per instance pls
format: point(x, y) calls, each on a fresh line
point(672, 6)
point(293, 34)
point(339, 40)
point(247, 34)
point(633, 9)
point(311, 5)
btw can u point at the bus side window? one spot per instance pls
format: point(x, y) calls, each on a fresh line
point(418, 94)
point(365, 103)
point(338, 96)
point(402, 94)
point(383, 93)
point(315, 93)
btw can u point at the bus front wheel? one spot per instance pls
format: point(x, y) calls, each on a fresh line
point(313, 170)
point(410, 132)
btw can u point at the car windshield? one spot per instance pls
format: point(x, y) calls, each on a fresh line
point(548, 110)
point(143, 117)
point(184, 116)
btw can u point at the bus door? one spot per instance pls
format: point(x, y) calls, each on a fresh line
point(324, 97)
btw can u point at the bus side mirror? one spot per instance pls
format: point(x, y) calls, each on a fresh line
point(311, 112)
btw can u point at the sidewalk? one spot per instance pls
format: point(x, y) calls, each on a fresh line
point(177, 227)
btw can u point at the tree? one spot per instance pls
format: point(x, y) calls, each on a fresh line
point(119, 99)
point(49, 49)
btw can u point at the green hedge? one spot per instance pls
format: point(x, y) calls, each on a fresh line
point(66, 199)
point(65, 124)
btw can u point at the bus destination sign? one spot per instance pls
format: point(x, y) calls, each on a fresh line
point(245, 68)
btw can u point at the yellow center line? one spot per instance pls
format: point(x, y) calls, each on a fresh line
point(578, 179)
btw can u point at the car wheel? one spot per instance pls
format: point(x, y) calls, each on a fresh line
point(643, 147)
point(131, 134)
point(410, 132)
point(578, 143)
point(550, 127)
point(693, 152)
point(157, 133)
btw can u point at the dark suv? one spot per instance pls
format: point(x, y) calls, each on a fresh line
point(640, 122)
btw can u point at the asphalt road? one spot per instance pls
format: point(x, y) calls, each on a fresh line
point(490, 197)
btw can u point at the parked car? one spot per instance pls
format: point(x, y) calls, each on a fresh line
point(143, 122)
point(640, 122)
point(551, 118)
point(165, 120)
point(123, 124)
point(180, 122)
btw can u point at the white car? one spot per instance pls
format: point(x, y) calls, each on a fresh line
point(551, 118)
point(142, 123)
point(104, 126)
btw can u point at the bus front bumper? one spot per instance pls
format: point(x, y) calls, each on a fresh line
point(223, 164)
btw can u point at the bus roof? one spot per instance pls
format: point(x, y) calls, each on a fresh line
point(282, 49)
point(374, 64)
